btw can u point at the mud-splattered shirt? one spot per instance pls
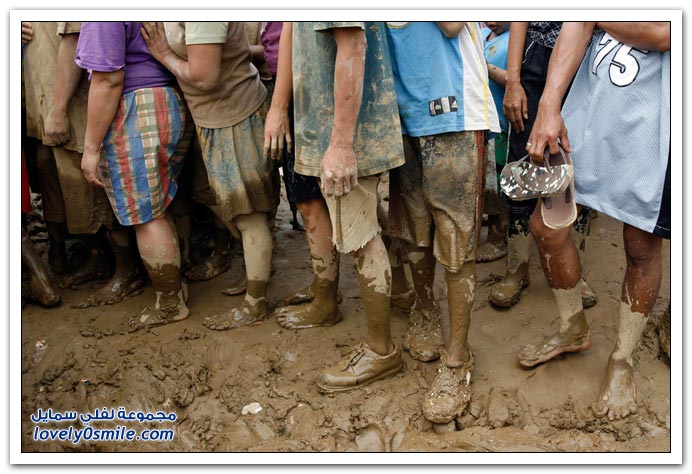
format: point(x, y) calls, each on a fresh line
point(378, 144)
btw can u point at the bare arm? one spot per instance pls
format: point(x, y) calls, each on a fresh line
point(339, 167)
point(568, 53)
point(451, 29)
point(277, 124)
point(202, 69)
point(104, 97)
point(57, 124)
point(257, 54)
point(515, 105)
point(497, 74)
point(640, 34)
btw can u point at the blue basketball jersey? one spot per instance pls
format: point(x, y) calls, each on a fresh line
point(617, 116)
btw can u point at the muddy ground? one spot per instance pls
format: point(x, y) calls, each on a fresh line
point(80, 360)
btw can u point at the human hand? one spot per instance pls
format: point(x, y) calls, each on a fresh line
point(155, 37)
point(515, 105)
point(548, 130)
point(277, 131)
point(27, 32)
point(338, 172)
point(56, 129)
point(90, 168)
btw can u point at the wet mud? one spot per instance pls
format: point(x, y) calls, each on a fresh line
point(86, 359)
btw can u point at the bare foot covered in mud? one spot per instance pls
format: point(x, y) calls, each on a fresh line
point(115, 291)
point(304, 295)
point(216, 264)
point(618, 398)
point(450, 392)
point(97, 267)
point(576, 338)
point(169, 309)
point(401, 304)
point(308, 315)
point(491, 251)
point(41, 291)
point(423, 338)
point(246, 314)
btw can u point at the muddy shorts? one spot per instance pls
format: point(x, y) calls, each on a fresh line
point(434, 196)
point(355, 215)
point(242, 181)
point(143, 151)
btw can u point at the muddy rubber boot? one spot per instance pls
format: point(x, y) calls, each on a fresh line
point(507, 292)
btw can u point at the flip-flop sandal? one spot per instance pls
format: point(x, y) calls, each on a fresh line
point(560, 211)
point(523, 179)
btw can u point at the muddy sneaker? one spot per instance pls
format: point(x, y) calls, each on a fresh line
point(450, 392)
point(588, 297)
point(423, 338)
point(359, 367)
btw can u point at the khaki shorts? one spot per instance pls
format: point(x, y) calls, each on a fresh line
point(435, 197)
point(355, 216)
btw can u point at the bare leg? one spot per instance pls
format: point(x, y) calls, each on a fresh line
point(98, 265)
point(507, 292)
point(403, 296)
point(180, 211)
point(41, 289)
point(495, 246)
point(378, 357)
point(127, 279)
point(639, 291)
point(220, 259)
point(423, 338)
point(257, 245)
point(57, 254)
point(450, 392)
point(322, 308)
point(562, 268)
point(580, 232)
point(159, 248)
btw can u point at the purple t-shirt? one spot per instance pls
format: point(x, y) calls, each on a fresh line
point(113, 45)
point(270, 40)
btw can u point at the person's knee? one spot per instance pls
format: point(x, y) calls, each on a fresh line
point(311, 208)
point(641, 248)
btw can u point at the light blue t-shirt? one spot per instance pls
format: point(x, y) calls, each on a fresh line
point(441, 83)
point(496, 54)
